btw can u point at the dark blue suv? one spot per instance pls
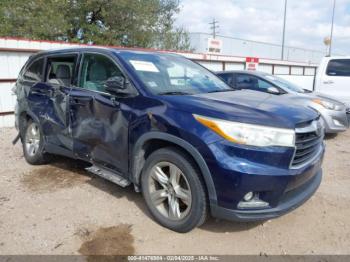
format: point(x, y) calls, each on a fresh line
point(174, 130)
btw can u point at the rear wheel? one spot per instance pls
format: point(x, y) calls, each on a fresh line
point(173, 190)
point(33, 146)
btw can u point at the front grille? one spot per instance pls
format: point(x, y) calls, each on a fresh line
point(308, 141)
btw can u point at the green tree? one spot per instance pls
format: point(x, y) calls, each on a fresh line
point(131, 23)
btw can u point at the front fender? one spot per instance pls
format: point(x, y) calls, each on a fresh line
point(138, 160)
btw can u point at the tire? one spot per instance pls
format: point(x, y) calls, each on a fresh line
point(33, 144)
point(173, 190)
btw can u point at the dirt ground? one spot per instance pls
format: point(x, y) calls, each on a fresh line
point(61, 209)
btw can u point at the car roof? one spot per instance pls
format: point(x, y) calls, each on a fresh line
point(249, 72)
point(100, 48)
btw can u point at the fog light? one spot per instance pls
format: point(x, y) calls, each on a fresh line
point(337, 123)
point(252, 200)
point(249, 196)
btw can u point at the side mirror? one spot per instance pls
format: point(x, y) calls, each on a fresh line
point(273, 90)
point(119, 85)
point(115, 84)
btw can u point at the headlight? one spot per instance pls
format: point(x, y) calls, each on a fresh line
point(327, 104)
point(249, 134)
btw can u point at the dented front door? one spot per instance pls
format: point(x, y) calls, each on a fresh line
point(98, 119)
point(99, 125)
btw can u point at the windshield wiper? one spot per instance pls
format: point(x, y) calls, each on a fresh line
point(175, 93)
point(224, 90)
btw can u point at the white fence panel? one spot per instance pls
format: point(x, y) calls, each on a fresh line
point(265, 68)
point(310, 71)
point(7, 99)
point(281, 70)
point(11, 64)
point(234, 66)
point(297, 70)
point(7, 121)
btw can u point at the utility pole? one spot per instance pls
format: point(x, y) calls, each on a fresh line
point(284, 28)
point(331, 39)
point(214, 26)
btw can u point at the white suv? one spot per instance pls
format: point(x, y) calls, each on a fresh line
point(333, 78)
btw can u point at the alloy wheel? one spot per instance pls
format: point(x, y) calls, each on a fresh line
point(169, 191)
point(32, 139)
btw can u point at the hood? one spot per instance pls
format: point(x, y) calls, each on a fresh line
point(327, 97)
point(246, 106)
point(316, 95)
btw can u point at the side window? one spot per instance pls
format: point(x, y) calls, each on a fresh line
point(95, 70)
point(262, 84)
point(251, 82)
point(35, 71)
point(60, 69)
point(229, 79)
point(246, 82)
point(338, 67)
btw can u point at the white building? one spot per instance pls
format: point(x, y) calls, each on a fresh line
point(241, 47)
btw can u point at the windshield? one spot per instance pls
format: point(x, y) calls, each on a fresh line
point(284, 84)
point(166, 74)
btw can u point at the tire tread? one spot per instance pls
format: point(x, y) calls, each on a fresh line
point(180, 155)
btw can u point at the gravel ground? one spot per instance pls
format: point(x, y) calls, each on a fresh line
point(61, 209)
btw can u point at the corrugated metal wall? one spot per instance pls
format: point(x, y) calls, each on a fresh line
point(10, 65)
point(15, 52)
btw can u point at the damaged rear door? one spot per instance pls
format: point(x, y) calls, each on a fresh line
point(48, 100)
point(59, 77)
point(99, 120)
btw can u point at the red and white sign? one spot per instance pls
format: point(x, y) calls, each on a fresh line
point(214, 46)
point(251, 63)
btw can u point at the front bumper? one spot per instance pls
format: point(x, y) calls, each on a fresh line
point(238, 171)
point(290, 201)
point(335, 121)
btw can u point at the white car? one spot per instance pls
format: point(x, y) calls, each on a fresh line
point(333, 78)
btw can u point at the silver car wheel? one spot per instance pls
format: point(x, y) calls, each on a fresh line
point(32, 139)
point(169, 191)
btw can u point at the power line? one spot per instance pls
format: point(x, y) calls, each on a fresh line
point(214, 26)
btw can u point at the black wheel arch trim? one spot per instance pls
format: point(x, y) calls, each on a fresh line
point(138, 160)
point(28, 113)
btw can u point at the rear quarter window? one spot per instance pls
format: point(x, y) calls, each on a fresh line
point(34, 72)
point(338, 67)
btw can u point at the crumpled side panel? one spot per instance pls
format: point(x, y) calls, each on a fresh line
point(49, 103)
point(100, 130)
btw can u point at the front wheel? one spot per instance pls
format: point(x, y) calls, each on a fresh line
point(33, 144)
point(173, 190)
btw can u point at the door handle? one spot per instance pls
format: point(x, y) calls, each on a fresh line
point(115, 101)
point(81, 101)
point(41, 91)
point(328, 82)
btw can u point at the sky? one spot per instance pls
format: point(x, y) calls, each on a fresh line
point(308, 21)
